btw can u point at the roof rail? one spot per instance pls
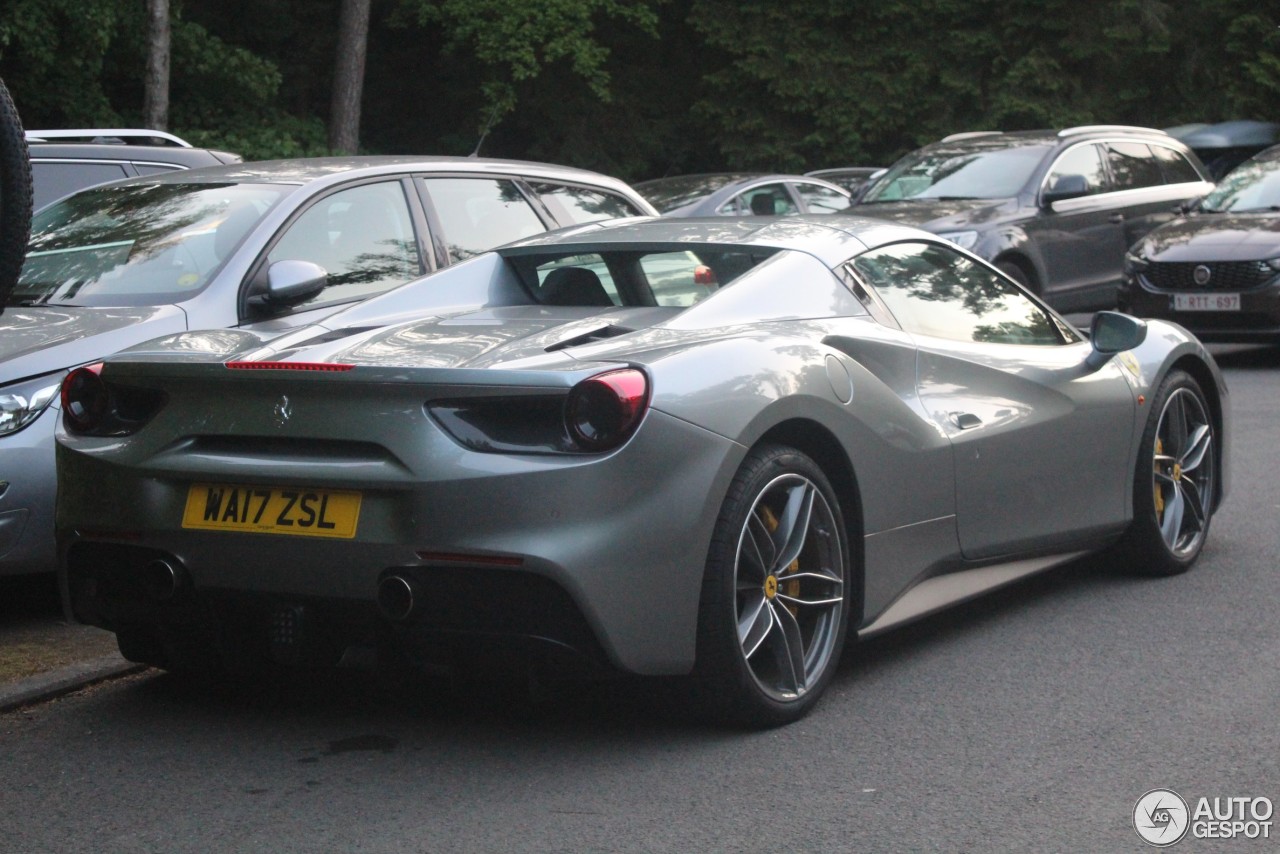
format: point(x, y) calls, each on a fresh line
point(118, 136)
point(1105, 128)
point(971, 134)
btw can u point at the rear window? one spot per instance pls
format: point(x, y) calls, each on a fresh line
point(676, 277)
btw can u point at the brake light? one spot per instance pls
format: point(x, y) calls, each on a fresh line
point(86, 401)
point(704, 275)
point(324, 367)
point(604, 411)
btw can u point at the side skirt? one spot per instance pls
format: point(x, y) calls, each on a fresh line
point(943, 591)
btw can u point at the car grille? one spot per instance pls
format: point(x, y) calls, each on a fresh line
point(1224, 275)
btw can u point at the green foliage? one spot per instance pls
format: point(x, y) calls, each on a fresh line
point(515, 40)
point(641, 88)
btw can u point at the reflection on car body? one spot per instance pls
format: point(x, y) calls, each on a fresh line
point(848, 430)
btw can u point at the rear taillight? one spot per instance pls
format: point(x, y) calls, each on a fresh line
point(94, 407)
point(86, 402)
point(603, 411)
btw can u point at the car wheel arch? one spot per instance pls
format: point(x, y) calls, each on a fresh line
point(1030, 276)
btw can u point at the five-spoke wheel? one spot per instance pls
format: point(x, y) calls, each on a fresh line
point(775, 597)
point(1175, 489)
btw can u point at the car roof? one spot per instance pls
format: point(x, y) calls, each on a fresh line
point(689, 192)
point(190, 158)
point(830, 237)
point(304, 170)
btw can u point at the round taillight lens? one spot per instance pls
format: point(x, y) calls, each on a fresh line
point(603, 411)
point(85, 399)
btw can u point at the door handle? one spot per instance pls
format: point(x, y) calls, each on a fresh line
point(965, 420)
point(1116, 218)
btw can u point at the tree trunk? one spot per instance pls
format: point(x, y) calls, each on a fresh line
point(348, 77)
point(155, 99)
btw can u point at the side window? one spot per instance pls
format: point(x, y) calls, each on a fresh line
point(579, 204)
point(1133, 166)
point(1175, 168)
point(1082, 160)
point(821, 199)
point(477, 214)
point(769, 200)
point(578, 280)
point(933, 290)
point(52, 181)
point(363, 237)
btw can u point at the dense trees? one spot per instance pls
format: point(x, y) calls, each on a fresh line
point(646, 87)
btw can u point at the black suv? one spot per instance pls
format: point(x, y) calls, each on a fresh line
point(1052, 210)
point(65, 161)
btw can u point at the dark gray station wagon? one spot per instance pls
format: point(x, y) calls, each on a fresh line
point(1053, 210)
point(264, 246)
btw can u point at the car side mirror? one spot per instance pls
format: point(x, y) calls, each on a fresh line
point(290, 282)
point(1190, 205)
point(1066, 187)
point(1113, 332)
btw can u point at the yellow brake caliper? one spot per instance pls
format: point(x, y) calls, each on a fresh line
point(789, 588)
point(1159, 494)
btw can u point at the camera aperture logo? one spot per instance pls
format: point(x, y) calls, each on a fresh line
point(1160, 817)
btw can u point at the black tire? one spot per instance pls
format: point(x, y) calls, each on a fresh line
point(1175, 485)
point(800, 606)
point(15, 195)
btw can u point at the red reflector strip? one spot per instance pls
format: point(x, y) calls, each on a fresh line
point(325, 367)
point(455, 557)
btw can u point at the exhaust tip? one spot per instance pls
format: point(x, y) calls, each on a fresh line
point(397, 598)
point(162, 580)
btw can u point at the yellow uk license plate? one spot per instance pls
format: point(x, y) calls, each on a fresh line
point(272, 510)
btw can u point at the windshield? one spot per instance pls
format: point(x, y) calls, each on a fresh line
point(667, 194)
point(1252, 186)
point(149, 244)
point(959, 173)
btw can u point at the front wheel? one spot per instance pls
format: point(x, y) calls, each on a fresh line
point(775, 596)
point(1176, 483)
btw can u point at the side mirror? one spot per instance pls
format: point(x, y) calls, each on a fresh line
point(1065, 187)
point(1190, 205)
point(291, 282)
point(1113, 332)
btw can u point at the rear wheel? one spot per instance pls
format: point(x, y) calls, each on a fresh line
point(775, 596)
point(1176, 483)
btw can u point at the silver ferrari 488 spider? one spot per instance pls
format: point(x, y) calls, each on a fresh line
point(707, 448)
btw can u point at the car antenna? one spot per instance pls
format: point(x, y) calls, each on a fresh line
point(487, 125)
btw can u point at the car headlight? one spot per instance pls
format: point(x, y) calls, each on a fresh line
point(22, 403)
point(1135, 263)
point(963, 239)
point(1273, 263)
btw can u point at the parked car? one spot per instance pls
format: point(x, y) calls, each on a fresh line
point(1054, 211)
point(1225, 145)
point(1216, 270)
point(66, 160)
point(852, 178)
point(520, 459)
point(262, 246)
point(739, 194)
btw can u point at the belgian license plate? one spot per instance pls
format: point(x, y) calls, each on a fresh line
point(272, 510)
point(1206, 302)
